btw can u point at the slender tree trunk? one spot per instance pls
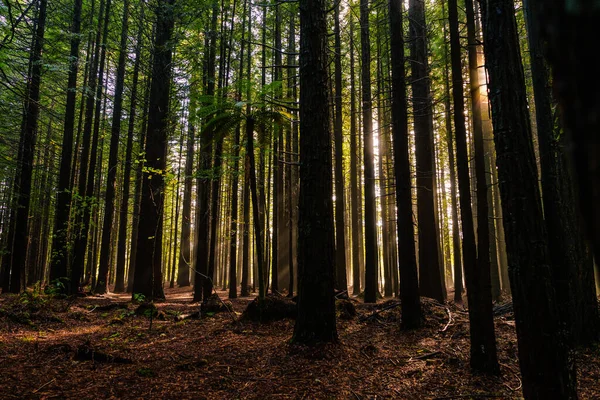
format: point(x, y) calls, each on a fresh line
point(354, 204)
point(124, 212)
point(371, 256)
point(22, 190)
point(60, 259)
point(137, 196)
point(429, 270)
point(475, 259)
point(341, 282)
point(115, 135)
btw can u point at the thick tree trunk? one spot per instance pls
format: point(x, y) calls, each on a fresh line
point(148, 277)
point(546, 367)
point(568, 250)
point(316, 258)
point(570, 29)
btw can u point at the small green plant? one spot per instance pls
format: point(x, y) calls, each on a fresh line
point(138, 298)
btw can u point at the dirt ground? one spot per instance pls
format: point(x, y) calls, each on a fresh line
point(61, 349)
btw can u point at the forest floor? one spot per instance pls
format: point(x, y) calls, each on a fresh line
point(61, 349)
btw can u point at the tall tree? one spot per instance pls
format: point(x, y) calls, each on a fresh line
point(430, 278)
point(115, 136)
point(568, 251)
point(409, 284)
point(316, 259)
point(60, 251)
point(475, 259)
point(148, 272)
point(569, 29)
point(124, 212)
point(23, 180)
point(371, 254)
point(546, 367)
point(341, 281)
point(354, 202)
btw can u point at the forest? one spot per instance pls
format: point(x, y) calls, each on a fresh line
point(299, 199)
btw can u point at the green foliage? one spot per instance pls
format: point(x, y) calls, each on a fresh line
point(138, 298)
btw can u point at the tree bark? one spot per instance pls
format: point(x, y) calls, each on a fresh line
point(546, 367)
point(316, 258)
point(148, 277)
point(409, 283)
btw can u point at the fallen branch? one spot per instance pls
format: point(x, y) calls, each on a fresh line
point(449, 320)
point(44, 385)
point(389, 307)
point(424, 356)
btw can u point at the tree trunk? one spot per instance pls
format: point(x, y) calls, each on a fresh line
point(115, 134)
point(148, 273)
point(316, 258)
point(124, 212)
point(574, 274)
point(60, 259)
point(409, 284)
point(429, 269)
point(341, 282)
point(22, 191)
point(544, 359)
point(475, 258)
point(371, 256)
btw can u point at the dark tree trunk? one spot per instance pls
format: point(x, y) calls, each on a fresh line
point(409, 284)
point(477, 269)
point(246, 234)
point(148, 273)
point(111, 176)
point(202, 277)
point(258, 234)
point(86, 185)
point(22, 192)
point(573, 272)
point(316, 258)
point(137, 194)
point(341, 282)
point(185, 254)
point(354, 203)
point(60, 259)
point(430, 278)
point(124, 212)
point(458, 277)
point(546, 367)
point(570, 30)
point(291, 170)
point(371, 255)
